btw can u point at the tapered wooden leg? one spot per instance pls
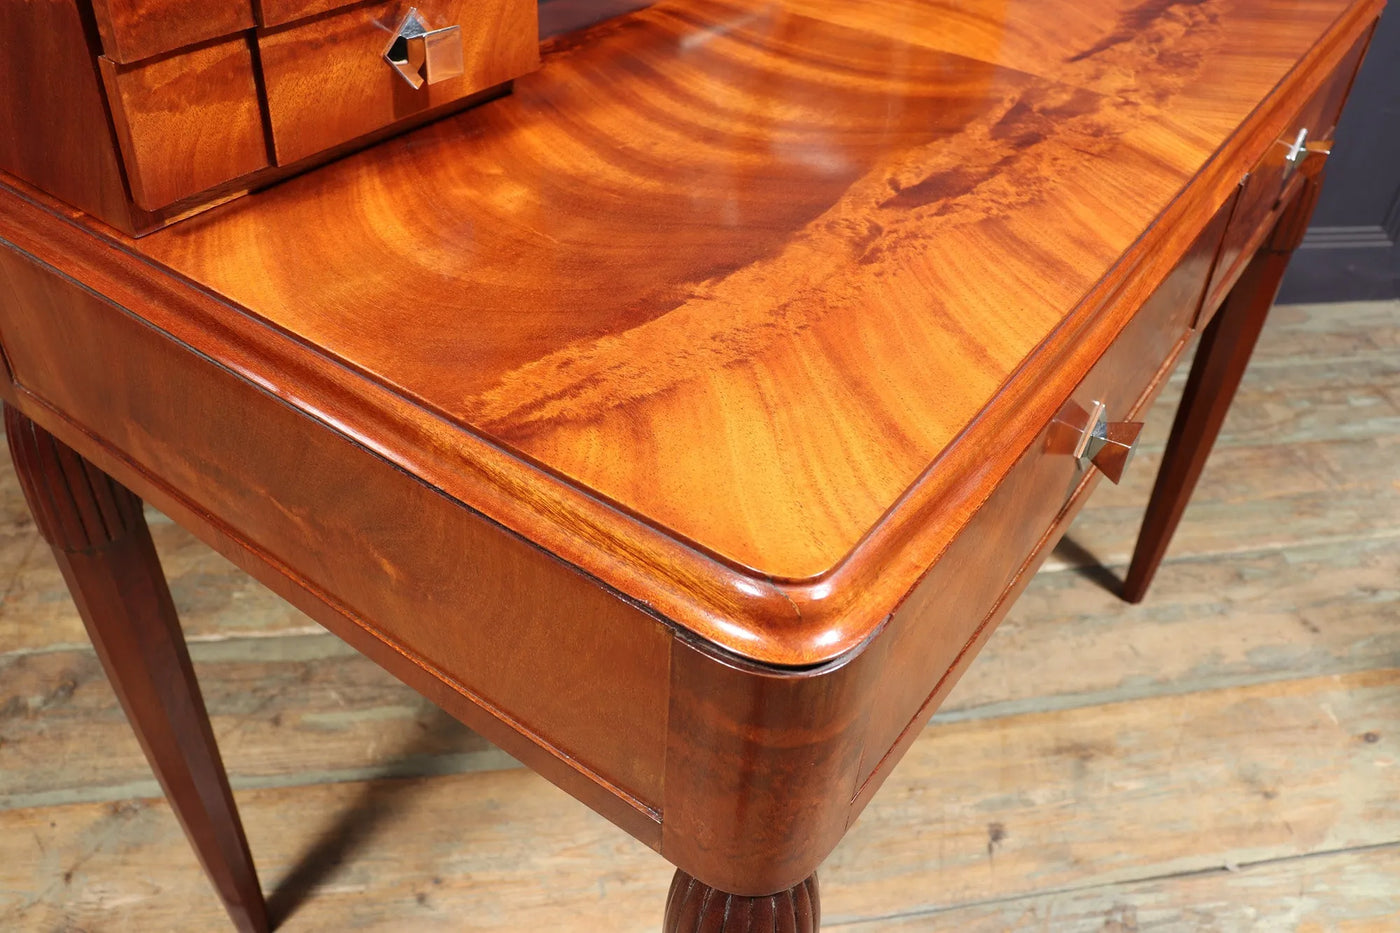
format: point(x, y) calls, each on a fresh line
point(104, 548)
point(1224, 352)
point(694, 907)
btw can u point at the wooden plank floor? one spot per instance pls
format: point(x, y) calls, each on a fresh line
point(1224, 757)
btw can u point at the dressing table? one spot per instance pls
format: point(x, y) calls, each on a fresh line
point(680, 402)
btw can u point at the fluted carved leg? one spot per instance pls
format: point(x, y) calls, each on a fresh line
point(693, 907)
point(1226, 346)
point(100, 540)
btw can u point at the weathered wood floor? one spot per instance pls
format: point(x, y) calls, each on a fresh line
point(1225, 757)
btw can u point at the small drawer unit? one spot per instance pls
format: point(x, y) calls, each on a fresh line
point(192, 102)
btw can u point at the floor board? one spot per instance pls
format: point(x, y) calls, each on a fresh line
point(1339, 892)
point(978, 811)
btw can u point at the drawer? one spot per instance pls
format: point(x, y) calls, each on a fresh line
point(255, 468)
point(1259, 194)
point(1014, 527)
point(280, 12)
point(187, 122)
point(327, 80)
point(135, 29)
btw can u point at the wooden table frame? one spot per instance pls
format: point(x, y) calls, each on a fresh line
point(738, 728)
point(95, 527)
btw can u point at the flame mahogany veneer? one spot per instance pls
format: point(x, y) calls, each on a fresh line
point(682, 421)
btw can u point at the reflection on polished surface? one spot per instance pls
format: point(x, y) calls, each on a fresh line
point(686, 421)
point(803, 241)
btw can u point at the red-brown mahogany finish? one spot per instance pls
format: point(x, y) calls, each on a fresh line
point(64, 116)
point(695, 907)
point(1262, 193)
point(176, 138)
point(198, 103)
point(137, 29)
point(683, 421)
point(472, 612)
point(1226, 346)
point(100, 540)
point(324, 87)
point(867, 295)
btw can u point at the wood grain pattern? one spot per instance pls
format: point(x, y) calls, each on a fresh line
point(851, 353)
point(186, 125)
point(30, 614)
point(1345, 891)
point(70, 152)
point(406, 590)
point(692, 907)
point(758, 767)
point(1224, 352)
point(1294, 465)
point(1262, 191)
point(1299, 611)
point(99, 539)
point(286, 712)
point(927, 634)
point(291, 708)
point(553, 379)
point(327, 82)
point(188, 122)
point(702, 449)
point(1288, 609)
point(1232, 516)
point(136, 29)
point(1138, 761)
point(76, 508)
point(277, 12)
point(1259, 773)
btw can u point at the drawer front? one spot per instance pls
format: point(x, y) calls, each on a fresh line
point(963, 591)
point(188, 122)
point(136, 29)
point(328, 83)
point(1259, 195)
point(281, 12)
point(469, 602)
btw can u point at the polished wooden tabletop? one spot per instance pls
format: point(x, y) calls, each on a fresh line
point(686, 420)
point(716, 305)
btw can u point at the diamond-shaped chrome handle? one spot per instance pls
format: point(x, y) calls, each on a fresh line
point(1113, 446)
point(424, 56)
point(1090, 437)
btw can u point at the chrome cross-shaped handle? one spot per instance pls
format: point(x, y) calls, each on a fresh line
point(424, 56)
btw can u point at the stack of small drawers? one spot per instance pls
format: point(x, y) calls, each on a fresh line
point(209, 98)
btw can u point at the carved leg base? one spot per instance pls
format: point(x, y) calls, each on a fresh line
point(694, 907)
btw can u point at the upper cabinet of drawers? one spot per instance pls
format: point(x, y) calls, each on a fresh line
point(136, 29)
point(211, 98)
